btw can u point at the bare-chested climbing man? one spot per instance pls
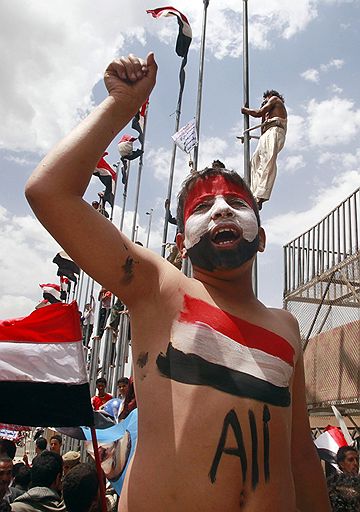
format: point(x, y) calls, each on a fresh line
point(219, 379)
point(272, 140)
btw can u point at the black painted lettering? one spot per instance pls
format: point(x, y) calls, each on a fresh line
point(231, 420)
point(254, 450)
point(266, 419)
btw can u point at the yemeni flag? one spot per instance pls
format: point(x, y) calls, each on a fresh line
point(185, 33)
point(328, 444)
point(210, 347)
point(183, 40)
point(43, 379)
point(127, 153)
point(51, 292)
point(67, 267)
point(107, 176)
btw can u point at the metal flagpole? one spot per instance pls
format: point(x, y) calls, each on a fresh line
point(247, 173)
point(121, 225)
point(141, 163)
point(171, 176)
point(200, 83)
point(149, 226)
point(246, 93)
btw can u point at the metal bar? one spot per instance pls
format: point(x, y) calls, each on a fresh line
point(200, 82)
point(138, 184)
point(246, 99)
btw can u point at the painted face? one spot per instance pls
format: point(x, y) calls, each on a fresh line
point(221, 228)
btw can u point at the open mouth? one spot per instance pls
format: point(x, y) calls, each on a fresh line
point(225, 237)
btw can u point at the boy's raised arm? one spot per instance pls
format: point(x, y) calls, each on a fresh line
point(56, 187)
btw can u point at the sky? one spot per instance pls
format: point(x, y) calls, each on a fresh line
point(53, 55)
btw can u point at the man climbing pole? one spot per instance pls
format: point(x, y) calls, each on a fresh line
point(273, 131)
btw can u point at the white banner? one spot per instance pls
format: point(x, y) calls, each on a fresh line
point(186, 138)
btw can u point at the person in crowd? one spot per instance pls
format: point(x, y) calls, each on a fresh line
point(7, 448)
point(102, 396)
point(55, 443)
point(347, 459)
point(44, 493)
point(122, 386)
point(40, 445)
point(219, 376)
point(21, 477)
point(7, 493)
point(129, 401)
point(105, 308)
point(81, 489)
point(87, 322)
point(70, 460)
point(271, 142)
point(344, 493)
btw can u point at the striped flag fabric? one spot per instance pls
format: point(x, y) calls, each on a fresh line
point(43, 379)
point(328, 444)
point(107, 176)
point(51, 292)
point(211, 347)
point(67, 267)
point(185, 33)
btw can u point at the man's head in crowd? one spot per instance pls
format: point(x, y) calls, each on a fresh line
point(22, 476)
point(347, 459)
point(218, 220)
point(46, 470)
point(55, 443)
point(122, 386)
point(70, 460)
point(7, 448)
point(40, 445)
point(6, 467)
point(101, 386)
point(80, 489)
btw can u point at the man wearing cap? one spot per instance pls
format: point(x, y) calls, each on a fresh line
point(70, 460)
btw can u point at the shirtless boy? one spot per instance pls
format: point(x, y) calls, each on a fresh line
point(219, 377)
point(273, 131)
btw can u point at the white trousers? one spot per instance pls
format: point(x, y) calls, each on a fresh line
point(263, 162)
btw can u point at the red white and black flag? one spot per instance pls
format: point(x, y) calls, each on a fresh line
point(51, 292)
point(185, 33)
point(328, 444)
point(107, 176)
point(183, 40)
point(67, 267)
point(43, 379)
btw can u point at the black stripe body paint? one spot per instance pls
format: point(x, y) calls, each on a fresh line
point(230, 420)
point(254, 450)
point(266, 419)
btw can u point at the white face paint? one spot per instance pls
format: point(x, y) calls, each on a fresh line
point(220, 210)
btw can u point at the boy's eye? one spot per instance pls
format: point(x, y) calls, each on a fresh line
point(200, 207)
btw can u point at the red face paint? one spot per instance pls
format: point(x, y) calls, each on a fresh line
point(210, 187)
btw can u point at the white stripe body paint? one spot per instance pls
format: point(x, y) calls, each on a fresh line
point(201, 222)
point(64, 362)
point(207, 343)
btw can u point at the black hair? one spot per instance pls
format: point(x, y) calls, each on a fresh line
point(8, 448)
point(45, 468)
point(56, 436)
point(272, 92)
point(123, 380)
point(341, 454)
point(80, 488)
point(41, 443)
point(101, 380)
point(22, 476)
point(5, 506)
point(190, 181)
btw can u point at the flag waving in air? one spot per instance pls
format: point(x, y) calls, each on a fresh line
point(183, 40)
point(107, 176)
point(185, 34)
point(43, 379)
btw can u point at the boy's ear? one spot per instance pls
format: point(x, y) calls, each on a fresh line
point(180, 245)
point(262, 240)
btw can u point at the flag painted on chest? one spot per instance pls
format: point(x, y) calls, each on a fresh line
point(43, 379)
point(213, 348)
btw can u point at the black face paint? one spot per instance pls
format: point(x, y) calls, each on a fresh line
point(231, 420)
point(266, 419)
point(205, 255)
point(254, 450)
point(128, 269)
